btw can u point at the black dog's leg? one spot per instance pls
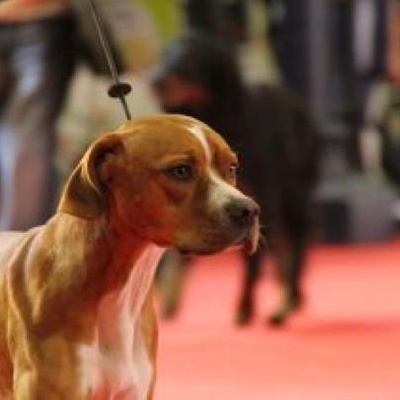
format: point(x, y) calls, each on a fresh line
point(170, 277)
point(290, 260)
point(251, 276)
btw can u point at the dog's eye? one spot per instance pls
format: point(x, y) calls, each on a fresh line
point(182, 172)
point(233, 170)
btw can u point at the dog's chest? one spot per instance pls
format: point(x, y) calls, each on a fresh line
point(117, 364)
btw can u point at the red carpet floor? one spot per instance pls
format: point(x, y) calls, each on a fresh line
point(344, 344)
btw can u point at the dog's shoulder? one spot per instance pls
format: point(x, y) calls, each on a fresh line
point(13, 242)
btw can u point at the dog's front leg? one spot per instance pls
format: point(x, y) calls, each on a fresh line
point(47, 370)
point(29, 386)
point(150, 332)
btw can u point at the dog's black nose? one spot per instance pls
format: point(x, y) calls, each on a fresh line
point(242, 212)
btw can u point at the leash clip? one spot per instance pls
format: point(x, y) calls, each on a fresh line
point(118, 89)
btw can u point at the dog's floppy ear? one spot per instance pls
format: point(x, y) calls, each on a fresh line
point(84, 194)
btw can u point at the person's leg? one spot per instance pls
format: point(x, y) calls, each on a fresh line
point(252, 265)
point(6, 79)
point(41, 63)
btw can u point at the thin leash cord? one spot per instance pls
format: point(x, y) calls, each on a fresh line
point(118, 89)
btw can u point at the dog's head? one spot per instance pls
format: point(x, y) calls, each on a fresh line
point(167, 179)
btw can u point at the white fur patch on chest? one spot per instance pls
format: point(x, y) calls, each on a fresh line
point(116, 365)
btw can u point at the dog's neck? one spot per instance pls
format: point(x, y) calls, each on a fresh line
point(110, 252)
point(118, 264)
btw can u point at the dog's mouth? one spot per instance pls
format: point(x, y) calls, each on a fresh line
point(247, 239)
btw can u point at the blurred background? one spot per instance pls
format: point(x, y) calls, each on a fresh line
point(308, 93)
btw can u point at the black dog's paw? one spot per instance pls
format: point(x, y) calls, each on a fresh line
point(245, 313)
point(279, 317)
point(170, 311)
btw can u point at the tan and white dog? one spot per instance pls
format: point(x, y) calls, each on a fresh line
point(76, 314)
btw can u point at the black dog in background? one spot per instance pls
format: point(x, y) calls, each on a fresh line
point(277, 146)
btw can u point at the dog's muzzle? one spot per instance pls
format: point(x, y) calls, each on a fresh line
point(242, 215)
